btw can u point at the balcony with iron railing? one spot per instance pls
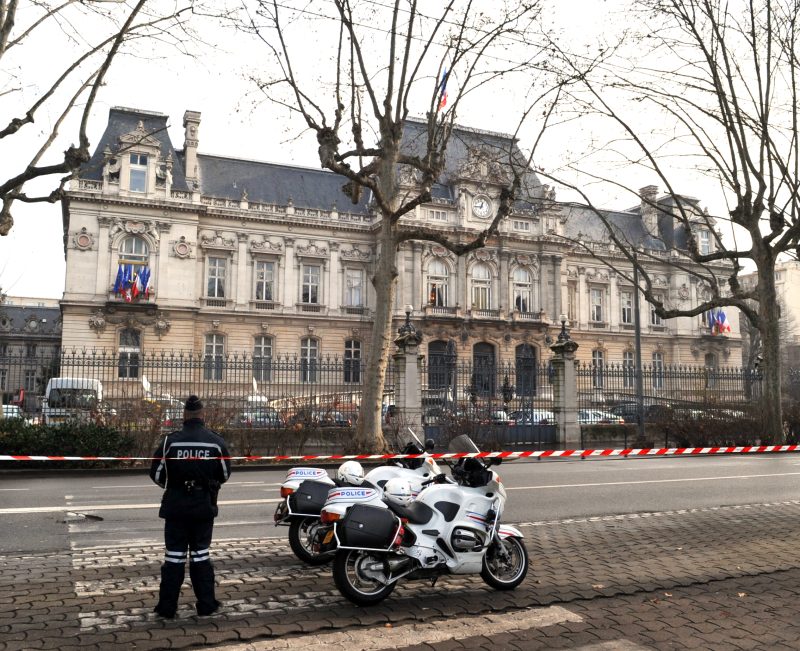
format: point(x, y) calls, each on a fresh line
point(441, 311)
point(316, 308)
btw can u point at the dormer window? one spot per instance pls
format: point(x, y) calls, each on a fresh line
point(705, 241)
point(138, 169)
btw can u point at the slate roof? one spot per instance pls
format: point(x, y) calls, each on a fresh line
point(123, 120)
point(18, 316)
point(583, 224)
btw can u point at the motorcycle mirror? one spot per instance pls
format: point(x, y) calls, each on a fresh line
point(430, 444)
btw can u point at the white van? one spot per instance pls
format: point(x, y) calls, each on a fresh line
point(71, 398)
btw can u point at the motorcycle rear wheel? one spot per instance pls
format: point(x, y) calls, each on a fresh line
point(349, 575)
point(301, 537)
point(505, 564)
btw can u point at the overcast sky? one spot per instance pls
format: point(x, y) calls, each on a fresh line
point(32, 256)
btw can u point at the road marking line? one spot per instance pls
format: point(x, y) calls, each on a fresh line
point(14, 489)
point(117, 507)
point(459, 628)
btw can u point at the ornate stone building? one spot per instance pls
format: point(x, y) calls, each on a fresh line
point(272, 259)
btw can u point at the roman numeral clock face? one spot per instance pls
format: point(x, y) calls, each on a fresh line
point(481, 206)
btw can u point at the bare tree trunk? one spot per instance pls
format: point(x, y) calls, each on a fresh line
point(770, 347)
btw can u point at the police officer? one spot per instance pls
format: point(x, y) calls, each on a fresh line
point(190, 465)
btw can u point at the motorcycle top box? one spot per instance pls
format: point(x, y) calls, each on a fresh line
point(367, 527)
point(309, 497)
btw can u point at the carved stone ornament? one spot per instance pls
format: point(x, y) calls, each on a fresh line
point(483, 164)
point(355, 254)
point(97, 322)
point(683, 292)
point(524, 259)
point(217, 240)
point(139, 136)
point(5, 322)
point(215, 324)
point(162, 324)
point(32, 323)
point(660, 281)
point(409, 175)
point(695, 351)
point(312, 250)
point(483, 255)
point(181, 248)
point(264, 327)
point(265, 247)
point(439, 251)
point(83, 240)
point(133, 227)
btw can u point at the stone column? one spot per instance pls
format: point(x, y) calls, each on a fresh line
point(556, 291)
point(503, 303)
point(335, 272)
point(242, 295)
point(103, 258)
point(565, 393)
point(416, 276)
point(544, 299)
point(160, 283)
point(289, 275)
point(583, 299)
point(461, 284)
point(613, 302)
point(408, 364)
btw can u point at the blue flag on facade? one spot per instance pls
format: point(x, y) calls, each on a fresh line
point(118, 281)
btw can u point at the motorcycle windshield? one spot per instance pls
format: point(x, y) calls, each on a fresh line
point(463, 443)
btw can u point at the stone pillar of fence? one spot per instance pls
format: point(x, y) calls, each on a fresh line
point(565, 394)
point(408, 391)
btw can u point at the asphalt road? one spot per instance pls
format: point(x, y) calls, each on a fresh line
point(68, 510)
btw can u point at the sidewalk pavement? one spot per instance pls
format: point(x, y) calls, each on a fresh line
point(716, 578)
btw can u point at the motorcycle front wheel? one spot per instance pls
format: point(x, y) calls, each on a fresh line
point(353, 574)
point(505, 564)
point(301, 539)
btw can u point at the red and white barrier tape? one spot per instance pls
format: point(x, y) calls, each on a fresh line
point(540, 454)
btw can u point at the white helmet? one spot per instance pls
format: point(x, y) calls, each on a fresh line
point(398, 491)
point(350, 472)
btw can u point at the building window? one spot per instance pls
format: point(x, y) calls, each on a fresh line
point(138, 176)
point(572, 302)
point(437, 284)
point(438, 215)
point(265, 281)
point(525, 367)
point(626, 303)
point(216, 277)
point(658, 371)
point(29, 382)
point(654, 318)
point(3, 376)
point(442, 367)
point(598, 363)
point(30, 350)
point(628, 369)
point(309, 354)
point(134, 250)
point(353, 287)
point(312, 276)
point(129, 350)
point(352, 361)
point(710, 362)
point(596, 301)
point(520, 225)
point(214, 356)
point(262, 359)
point(481, 287)
point(705, 241)
point(522, 290)
point(484, 370)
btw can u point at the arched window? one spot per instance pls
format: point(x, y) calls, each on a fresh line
point(711, 365)
point(352, 361)
point(133, 272)
point(525, 362)
point(483, 369)
point(309, 358)
point(521, 290)
point(262, 359)
point(442, 366)
point(130, 345)
point(481, 287)
point(134, 250)
point(437, 283)
point(598, 364)
point(214, 357)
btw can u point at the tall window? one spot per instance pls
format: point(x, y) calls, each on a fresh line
point(525, 362)
point(596, 302)
point(710, 362)
point(262, 359)
point(138, 177)
point(3, 376)
point(312, 277)
point(522, 290)
point(130, 343)
point(481, 287)
point(626, 303)
point(484, 370)
point(598, 364)
point(216, 277)
point(654, 318)
point(437, 283)
point(30, 350)
point(214, 356)
point(134, 250)
point(705, 241)
point(265, 281)
point(572, 302)
point(658, 371)
point(309, 355)
point(29, 382)
point(628, 369)
point(352, 361)
point(442, 366)
point(354, 287)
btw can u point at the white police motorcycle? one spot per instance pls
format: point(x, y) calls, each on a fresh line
point(447, 529)
point(305, 492)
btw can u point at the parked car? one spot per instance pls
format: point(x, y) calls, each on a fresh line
point(533, 417)
point(14, 411)
point(598, 416)
point(500, 417)
point(655, 413)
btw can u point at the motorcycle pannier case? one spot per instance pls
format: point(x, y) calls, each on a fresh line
point(368, 527)
point(309, 497)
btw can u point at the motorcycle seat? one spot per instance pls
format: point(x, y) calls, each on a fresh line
point(416, 512)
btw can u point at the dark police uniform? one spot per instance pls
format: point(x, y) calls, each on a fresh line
point(188, 466)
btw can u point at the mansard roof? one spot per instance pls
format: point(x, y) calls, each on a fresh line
point(583, 224)
point(48, 322)
point(122, 121)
